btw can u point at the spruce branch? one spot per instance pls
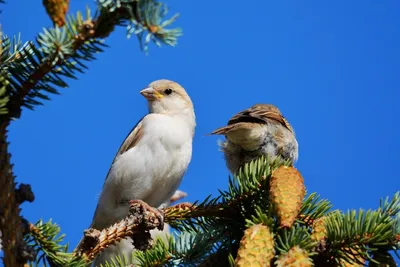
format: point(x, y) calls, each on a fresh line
point(313, 208)
point(248, 189)
point(158, 255)
point(261, 217)
point(141, 220)
point(193, 247)
point(46, 240)
point(184, 249)
point(353, 235)
point(30, 71)
point(215, 226)
point(189, 216)
point(37, 69)
point(396, 229)
point(390, 207)
point(295, 236)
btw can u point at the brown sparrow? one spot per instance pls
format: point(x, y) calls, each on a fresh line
point(259, 130)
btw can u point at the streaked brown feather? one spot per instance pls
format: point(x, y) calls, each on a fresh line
point(132, 139)
point(259, 113)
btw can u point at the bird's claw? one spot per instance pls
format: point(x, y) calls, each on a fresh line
point(148, 218)
point(151, 217)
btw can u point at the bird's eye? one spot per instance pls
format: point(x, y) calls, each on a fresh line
point(168, 91)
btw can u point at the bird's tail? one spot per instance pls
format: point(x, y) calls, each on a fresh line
point(222, 130)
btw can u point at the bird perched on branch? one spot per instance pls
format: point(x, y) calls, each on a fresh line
point(258, 130)
point(151, 161)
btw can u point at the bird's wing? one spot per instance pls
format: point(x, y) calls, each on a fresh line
point(133, 138)
point(262, 114)
point(130, 141)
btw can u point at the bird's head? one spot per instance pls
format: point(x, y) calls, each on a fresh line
point(167, 97)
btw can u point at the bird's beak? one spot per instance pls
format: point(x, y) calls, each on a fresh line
point(151, 94)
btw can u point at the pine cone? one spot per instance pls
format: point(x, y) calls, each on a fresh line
point(287, 191)
point(318, 230)
point(256, 247)
point(56, 9)
point(295, 257)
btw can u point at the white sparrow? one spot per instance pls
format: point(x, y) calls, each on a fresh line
point(151, 161)
point(259, 130)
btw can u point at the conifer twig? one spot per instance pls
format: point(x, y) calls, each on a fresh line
point(30, 71)
point(86, 32)
point(185, 210)
point(97, 28)
point(37, 234)
point(137, 224)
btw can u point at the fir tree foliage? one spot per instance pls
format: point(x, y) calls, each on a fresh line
point(216, 226)
point(184, 249)
point(30, 72)
point(46, 240)
point(313, 208)
point(355, 235)
point(206, 231)
point(33, 70)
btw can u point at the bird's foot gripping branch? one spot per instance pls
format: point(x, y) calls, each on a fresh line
point(137, 224)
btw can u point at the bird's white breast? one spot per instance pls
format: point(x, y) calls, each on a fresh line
point(152, 170)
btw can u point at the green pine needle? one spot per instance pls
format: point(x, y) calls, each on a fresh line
point(32, 71)
point(295, 236)
point(313, 207)
point(47, 242)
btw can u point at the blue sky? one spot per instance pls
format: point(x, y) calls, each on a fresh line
point(332, 67)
